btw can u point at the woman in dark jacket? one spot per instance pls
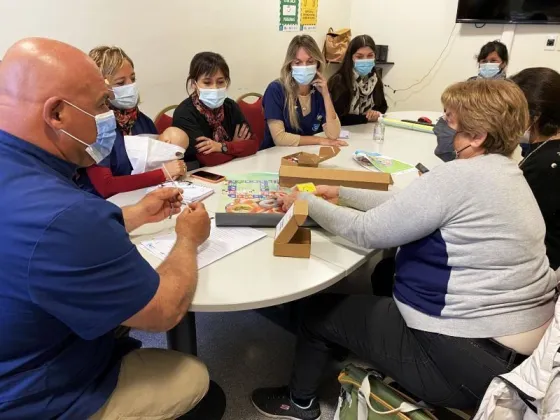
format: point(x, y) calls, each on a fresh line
point(356, 88)
point(541, 165)
point(215, 124)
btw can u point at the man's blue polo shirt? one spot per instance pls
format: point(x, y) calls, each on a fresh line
point(69, 276)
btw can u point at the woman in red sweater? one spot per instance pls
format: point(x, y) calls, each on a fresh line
point(113, 175)
point(215, 122)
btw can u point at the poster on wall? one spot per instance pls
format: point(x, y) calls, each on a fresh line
point(289, 14)
point(308, 19)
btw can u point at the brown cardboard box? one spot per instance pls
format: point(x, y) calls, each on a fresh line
point(309, 159)
point(291, 240)
point(292, 175)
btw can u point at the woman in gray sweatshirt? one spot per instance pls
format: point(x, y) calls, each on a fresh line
point(473, 291)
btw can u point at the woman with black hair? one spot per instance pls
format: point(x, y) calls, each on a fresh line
point(492, 61)
point(215, 122)
point(541, 165)
point(356, 88)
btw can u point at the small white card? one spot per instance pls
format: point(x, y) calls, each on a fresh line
point(344, 134)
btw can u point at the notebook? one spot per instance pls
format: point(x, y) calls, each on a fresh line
point(222, 242)
point(192, 193)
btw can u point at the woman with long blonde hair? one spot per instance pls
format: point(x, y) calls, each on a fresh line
point(298, 104)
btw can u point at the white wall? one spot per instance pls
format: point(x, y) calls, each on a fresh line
point(417, 31)
point(162, 36)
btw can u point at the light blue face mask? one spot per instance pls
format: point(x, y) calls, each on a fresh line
point(304, 75)
point(212, 98)
point(489, 70)
point(106, 124)
point(364, 67)
point(126, 97)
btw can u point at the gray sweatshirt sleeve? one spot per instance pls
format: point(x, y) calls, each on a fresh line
point(412, 214)
point(363, 199)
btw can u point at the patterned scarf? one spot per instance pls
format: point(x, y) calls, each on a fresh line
point(215, 118)
point(362, 94)
point(126, 118)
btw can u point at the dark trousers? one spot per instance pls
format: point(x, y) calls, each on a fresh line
point(440, 370)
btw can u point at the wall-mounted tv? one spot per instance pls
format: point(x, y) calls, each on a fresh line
point(509, 11)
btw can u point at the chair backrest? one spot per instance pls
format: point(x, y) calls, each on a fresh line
point(164, 121)
point(254, 114)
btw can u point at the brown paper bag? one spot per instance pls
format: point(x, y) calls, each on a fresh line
point(336, 44)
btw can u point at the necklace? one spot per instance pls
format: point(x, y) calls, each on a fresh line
point(535, 151)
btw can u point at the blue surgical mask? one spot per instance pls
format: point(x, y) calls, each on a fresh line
point(364, 67)
point(106, 125)
point(489, 70)
point(126, 97)
point(445, 137)
point(212, 98)
point(304, 75)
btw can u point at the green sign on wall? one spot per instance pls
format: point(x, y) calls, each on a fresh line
point(289, 15)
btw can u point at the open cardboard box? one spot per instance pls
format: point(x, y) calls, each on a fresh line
point(292, 240)
point(309, 159)
point(302, 167)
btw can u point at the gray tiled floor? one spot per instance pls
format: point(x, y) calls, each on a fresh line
point(243, 351)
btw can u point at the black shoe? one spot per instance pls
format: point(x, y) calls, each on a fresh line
point(211, 407)
point(276, 403)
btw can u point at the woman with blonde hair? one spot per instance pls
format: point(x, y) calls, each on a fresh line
point(113, 174)
point(298, 105)
point(474, 292)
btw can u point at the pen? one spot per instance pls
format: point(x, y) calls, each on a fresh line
point(176, 186)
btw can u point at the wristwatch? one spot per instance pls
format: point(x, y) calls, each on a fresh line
point(224, 148)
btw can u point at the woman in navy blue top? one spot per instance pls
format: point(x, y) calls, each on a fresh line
point(113, 175)
point(298, 105)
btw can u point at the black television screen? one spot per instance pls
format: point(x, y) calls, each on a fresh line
point(509, 11)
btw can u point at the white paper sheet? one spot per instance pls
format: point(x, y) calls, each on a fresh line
point(222, 242)
point(147, 154)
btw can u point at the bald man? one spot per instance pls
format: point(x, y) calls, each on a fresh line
point(70, 275)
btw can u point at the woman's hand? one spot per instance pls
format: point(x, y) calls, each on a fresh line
point(320, 83)
point(328, 193)
point(287, 200)
point(175, 169)
point(372, 116)
point(242, 133)
point(207, 146)
point(329, 142)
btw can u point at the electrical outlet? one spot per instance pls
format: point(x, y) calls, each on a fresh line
point(551, 42)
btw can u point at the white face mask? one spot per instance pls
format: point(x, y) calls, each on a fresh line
point(212, 98)
point(126, 97)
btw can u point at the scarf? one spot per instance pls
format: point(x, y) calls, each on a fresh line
point(126, 118)
point(362, 94)
point(214, 117)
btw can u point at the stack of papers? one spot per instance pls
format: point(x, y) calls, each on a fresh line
point(191, 193)
point(222, 242)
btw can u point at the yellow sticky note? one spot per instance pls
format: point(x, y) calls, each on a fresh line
point(308, 187)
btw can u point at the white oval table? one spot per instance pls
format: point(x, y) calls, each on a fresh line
point(252, 277)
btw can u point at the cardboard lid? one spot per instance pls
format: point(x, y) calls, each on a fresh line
point(310, 159)
point(292, 220)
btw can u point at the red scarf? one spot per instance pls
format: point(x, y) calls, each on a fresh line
point(126, 118)
point(215, 118)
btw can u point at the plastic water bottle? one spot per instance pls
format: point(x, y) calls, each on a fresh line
point(379, 130)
